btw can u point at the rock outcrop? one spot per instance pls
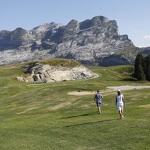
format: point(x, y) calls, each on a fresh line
point(93, 41)
point(44, 73)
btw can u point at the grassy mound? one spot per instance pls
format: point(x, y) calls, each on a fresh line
point(57, 62)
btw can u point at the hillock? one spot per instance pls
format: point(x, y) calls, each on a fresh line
point(55, 70)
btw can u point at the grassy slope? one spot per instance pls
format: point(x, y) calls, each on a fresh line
point(45, 117)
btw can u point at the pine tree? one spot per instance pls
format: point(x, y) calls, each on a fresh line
point(141, 75)
point(148, 73)
point(148, 67)
point(140, 67)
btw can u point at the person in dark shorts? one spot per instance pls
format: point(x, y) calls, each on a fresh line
point(98, 99)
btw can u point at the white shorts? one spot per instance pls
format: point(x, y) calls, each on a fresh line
point(120, 106)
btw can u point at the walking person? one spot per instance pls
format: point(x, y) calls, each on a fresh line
point(120, 103)
point(98, 99)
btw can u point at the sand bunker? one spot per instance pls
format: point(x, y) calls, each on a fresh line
point(109, 88)
point(80, 93)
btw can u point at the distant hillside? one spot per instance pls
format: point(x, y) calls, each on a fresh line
point(93, 41)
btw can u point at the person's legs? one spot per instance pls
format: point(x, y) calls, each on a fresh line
point(98, 107)
point(120, 108)
point(122, 116)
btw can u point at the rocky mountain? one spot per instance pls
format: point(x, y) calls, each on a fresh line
point(93, 41)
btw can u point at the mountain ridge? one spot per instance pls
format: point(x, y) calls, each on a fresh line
point(93, 41)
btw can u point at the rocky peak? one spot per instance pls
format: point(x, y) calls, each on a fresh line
point(20, 37)
point(4, 33)
point(73, 24)
point(95, 21)
point(14, 39)
point(4, 36)
point(44, 28)
point(72, 28)
point(42, 32)
point(98, 20)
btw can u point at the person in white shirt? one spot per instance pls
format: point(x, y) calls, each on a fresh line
point(120, 103)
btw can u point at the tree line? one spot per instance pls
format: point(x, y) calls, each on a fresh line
point(142, 67)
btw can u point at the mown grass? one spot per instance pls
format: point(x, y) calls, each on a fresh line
point(45, 117)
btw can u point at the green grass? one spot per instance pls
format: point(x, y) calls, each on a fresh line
point(45, 117)
point(56, 62)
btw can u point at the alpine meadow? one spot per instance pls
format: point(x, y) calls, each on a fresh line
point(45, 116)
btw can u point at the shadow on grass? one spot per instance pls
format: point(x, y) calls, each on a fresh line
point(89, 123)
point(82, 115)
point(129, 79)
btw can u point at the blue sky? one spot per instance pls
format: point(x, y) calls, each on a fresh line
point(132, 16)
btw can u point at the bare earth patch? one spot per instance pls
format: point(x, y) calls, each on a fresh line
point(127, 87)
point(145, 106)
point(60, 106)
point(26, 111)
point(110, 88)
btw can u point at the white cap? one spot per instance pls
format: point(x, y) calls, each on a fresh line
point(118, 90)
